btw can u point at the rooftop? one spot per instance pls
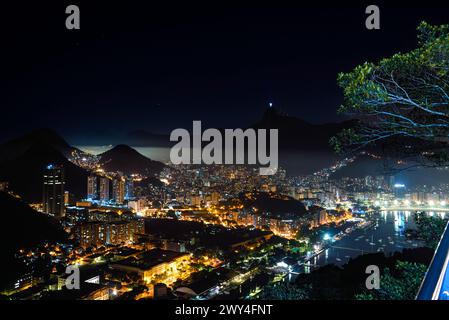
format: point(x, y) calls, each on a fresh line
point(152, 258)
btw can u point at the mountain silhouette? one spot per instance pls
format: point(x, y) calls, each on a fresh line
point(297, 134)
point(16, 147)
point(294, 133)
point(25, 159)
point(127, 160)
point(275, 206)
point(22, 227)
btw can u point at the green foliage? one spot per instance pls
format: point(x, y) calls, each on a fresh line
point(430, 229)
point(428, 33)
point(344, 138)
point(402, 284)
point(406, 94)
point(285, 291)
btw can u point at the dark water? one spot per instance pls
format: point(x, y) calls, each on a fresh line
point(387, 235)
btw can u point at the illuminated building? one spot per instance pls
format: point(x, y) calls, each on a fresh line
point(53, 191)
point(104, 189)
point(101, 293)
point(320, 216)
point(88, 291)
point(195, 200)
point(92, 188)
point(137, 205)
point(104, 233)
point(91, 234)
point(102, 216)
point(212, 198)
point(399, 190)
point(123, 231)
point(118, 190)
point(153, 263)
point(129, 189)
point(286, 228)
point(3, 185)
point(284, 224)
point(24, 282)
point(83, 204)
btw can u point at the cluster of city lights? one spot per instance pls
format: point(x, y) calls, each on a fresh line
point(407, 202)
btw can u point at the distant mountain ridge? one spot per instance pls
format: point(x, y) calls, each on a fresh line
point(295, 133)
point(16, 147)
point(304, 148)
point(24, 173)
point(23, 160)
point(127, 160)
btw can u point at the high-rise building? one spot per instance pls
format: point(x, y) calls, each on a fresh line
point(118, 190)
point(66, 198)
point(92, 188)
point(53, 191)
point(137, 205)
point(104, 189)
point(129, 189)
point(399, 190)
point(103, 233)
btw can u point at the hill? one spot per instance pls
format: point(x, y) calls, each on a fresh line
point(295, 133)
point(17, 147)
point(24, 172)
point(127, 160)
point(276, 206)
point(23, 227)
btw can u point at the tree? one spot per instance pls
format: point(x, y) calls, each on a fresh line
point(400, 284)
point(284, 291)
point(430, 229)
point(405, 96)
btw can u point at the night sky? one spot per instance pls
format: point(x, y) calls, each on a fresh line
point(158, 67)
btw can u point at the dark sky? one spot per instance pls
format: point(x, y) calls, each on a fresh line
point(158, 67)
